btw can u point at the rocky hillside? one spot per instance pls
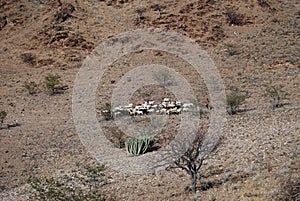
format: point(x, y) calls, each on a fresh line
point(254, 44)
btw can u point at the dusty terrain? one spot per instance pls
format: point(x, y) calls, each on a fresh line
point(261, 151)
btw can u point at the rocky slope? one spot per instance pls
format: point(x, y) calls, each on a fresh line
point(255, 44)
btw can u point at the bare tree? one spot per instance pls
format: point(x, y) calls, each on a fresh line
point(193, 158)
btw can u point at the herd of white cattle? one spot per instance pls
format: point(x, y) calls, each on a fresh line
point(166, 107)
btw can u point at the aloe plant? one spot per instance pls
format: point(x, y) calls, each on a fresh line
point(139, 145)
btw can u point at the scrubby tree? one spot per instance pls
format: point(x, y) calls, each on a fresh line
point(192, 160)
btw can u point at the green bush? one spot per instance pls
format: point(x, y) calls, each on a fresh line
point(51, 83)
point(234, 100)
point(139, 145)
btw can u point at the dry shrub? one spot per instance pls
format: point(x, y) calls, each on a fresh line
point(234, 18)
point(28, 58)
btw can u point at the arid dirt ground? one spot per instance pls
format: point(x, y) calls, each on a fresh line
point(259, 48)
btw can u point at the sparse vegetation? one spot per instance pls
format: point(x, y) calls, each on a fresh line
point(193, 158)
point(79, 185)
point(94, 175)
point(139, 145)
point(259, 155)
point(120, 139)
point(234, 100)
point(277, 94)
point(51, 85)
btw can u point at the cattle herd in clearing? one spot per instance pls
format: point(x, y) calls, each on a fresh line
point(166, 107)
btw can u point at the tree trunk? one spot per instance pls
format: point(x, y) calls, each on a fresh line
point(194, 182)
